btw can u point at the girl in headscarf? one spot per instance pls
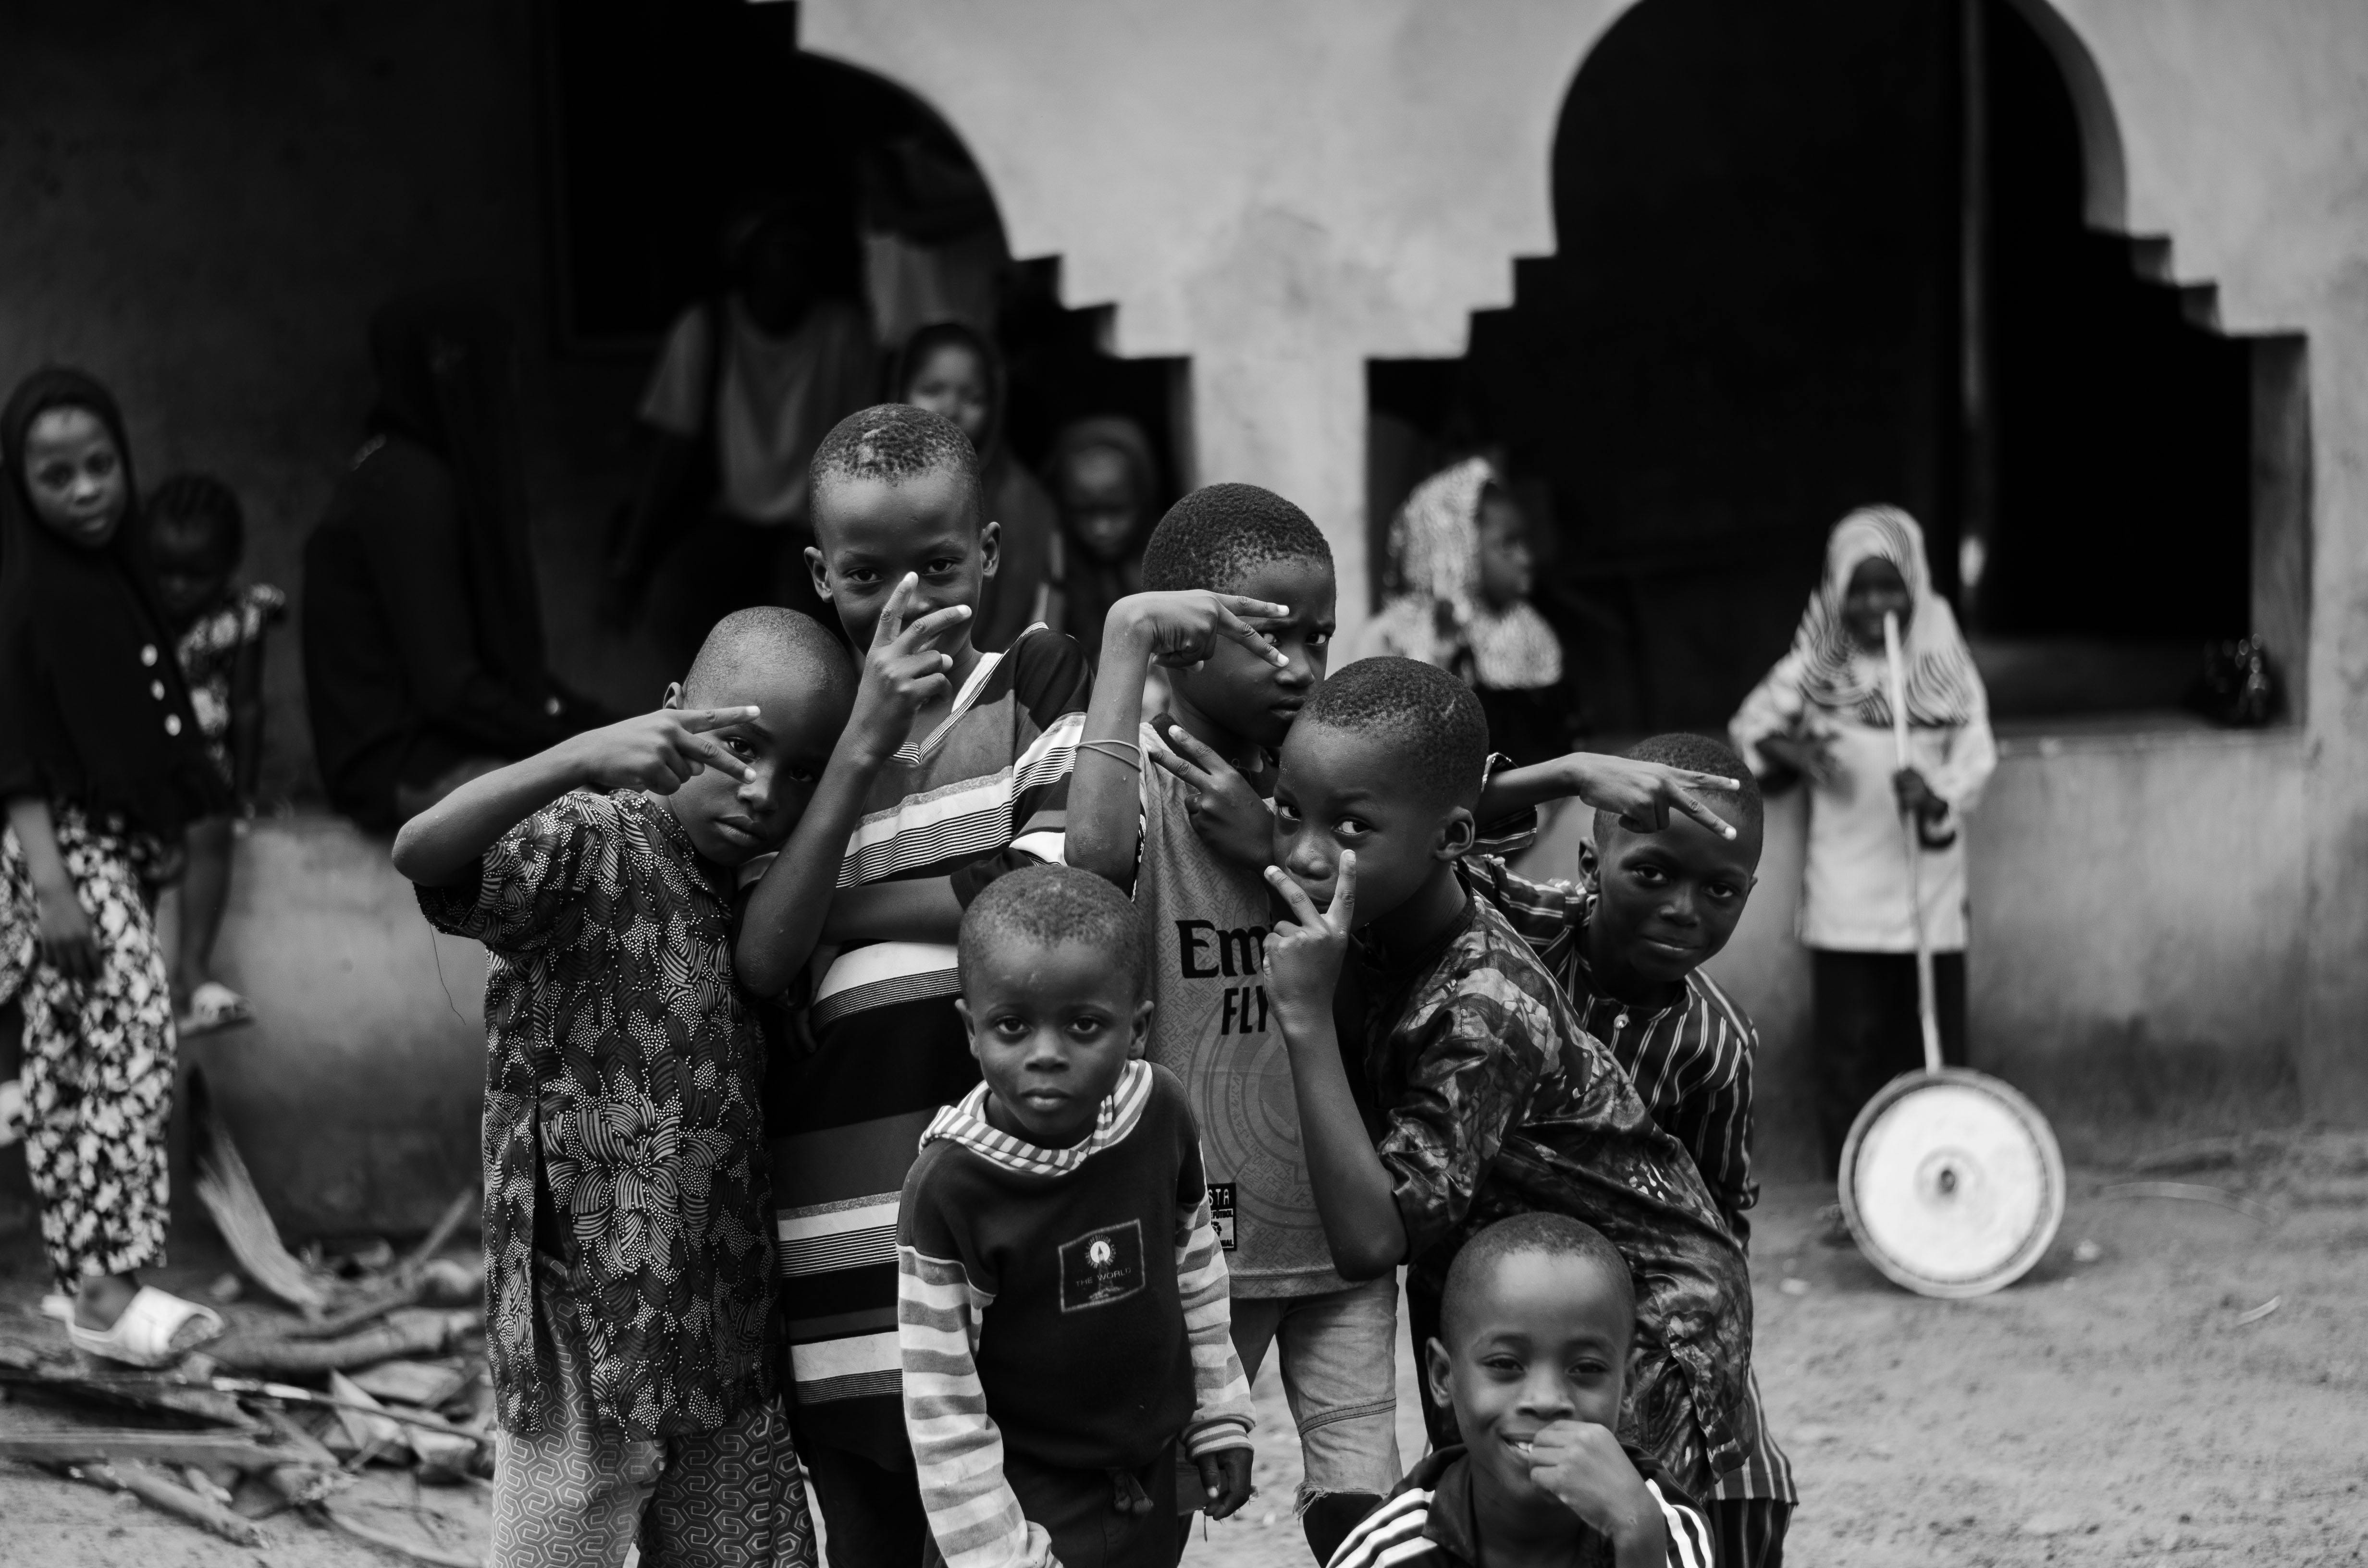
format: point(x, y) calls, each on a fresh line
point(952, 369)
point(102, 766)
point(1457, 589)
point(424, 661)
point(1103, 476)
point(1824, 714)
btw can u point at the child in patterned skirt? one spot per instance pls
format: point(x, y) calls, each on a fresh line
point(197, 534)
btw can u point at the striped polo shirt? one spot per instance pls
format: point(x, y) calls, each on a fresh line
point(1690, 1061)
point(883, 1048)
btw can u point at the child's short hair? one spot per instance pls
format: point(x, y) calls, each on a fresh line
point(1052, 903)
point(1702, 755)
point(1220, 533)
point(769, 638)
point(1437, 733)
point(202, 498)
point(895, 442)
point(1556, 1235)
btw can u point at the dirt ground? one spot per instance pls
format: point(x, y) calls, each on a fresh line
point(2110, 1408)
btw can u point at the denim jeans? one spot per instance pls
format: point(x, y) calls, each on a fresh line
point(1340, 1372)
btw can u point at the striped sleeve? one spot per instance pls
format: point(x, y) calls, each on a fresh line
point(1220, 1394)
point(974, 1513)
point(1688, 1535)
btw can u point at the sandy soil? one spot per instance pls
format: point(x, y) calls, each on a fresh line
point(2108, 1411)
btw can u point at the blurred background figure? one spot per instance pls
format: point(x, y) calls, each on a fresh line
point(953, 370)
point(196, 540)
point(1824, 714)
point(423, 659)
point(745, 387)
point(1456, 593)
point(1105, 483)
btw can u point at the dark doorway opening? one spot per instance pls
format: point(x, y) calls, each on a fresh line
point(1816, 257)
point(664, 114)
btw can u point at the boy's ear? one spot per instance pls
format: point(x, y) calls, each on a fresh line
point(1138, 1046)
point(969, 1030)
point(821, 570)
point(674, 696)
point(1435, 1367)
point(1590, 864)
point(990, 547)
point(1456, 835)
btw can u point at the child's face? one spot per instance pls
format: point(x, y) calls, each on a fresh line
point(1098, 500)
point(1507, 572)
point(1052, 1027)
point(788, 745)
point(74, 476)
point(192, 569)
point(1246, 694)
point(1668, 901)
point(1339, 791)
point(870, 532)
point(1875, 589)
point(1541, 1337)
point(952, 383)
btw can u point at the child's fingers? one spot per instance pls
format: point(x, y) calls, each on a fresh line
point(697, 720)
point(1180, 769)
point(1189, 744)
point(1255, 609)
point(1686, 802)
point(1687, 776)
point(892, 618)
point(1342, 916)
point(1302, 908)
point(1242, 633)
point(699, 751)
point(935, 624)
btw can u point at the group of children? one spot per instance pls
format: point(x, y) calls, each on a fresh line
point(131, 671)
point(932, 1077)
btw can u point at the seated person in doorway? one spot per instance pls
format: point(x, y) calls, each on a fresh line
point(1824, 714)
point(1488, 1099)
point(1457, 596)
point(1103, 476)
point(746, 388)
point(197, 535)
point(1626, 944)
point(1062, 1306)
point(423, 659)
point(1535, 1327)
point(952, 369)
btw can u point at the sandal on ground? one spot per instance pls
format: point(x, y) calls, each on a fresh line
point(213, 1005)
point(154, 1330)
point(12, 1111)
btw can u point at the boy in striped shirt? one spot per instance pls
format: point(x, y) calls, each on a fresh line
point(1626, 944)
point(978, 785)
point(1536, 1321)
point(1062, 1309)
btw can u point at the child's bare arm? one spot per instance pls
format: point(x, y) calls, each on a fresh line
point(1641, 794)
point(1583, 1465)
point(246, 719)
point(445, 845)
point(68, 945)
point(793, 904)
point(1105, 793)
point(1354, 1195)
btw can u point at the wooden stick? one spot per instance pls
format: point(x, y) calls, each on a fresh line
point(441, 1233)
point(179, 1501)
point(281, 1392)
point(98, 1444)
point(422, 1334)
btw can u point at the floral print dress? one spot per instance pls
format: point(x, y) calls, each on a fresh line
point(208, 652)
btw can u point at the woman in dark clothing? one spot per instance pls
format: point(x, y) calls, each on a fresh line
point(423, 637)
point(952, 369)
point(1103, 476)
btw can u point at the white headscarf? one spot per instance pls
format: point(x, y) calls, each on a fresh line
point(1436, 612)
point(1826, 669)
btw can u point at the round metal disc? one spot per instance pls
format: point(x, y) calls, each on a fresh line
point(1952, 1183)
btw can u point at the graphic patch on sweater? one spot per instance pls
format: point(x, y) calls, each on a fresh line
point(1101, 1266)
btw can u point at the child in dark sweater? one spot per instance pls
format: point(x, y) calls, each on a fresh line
point(1062, 1207)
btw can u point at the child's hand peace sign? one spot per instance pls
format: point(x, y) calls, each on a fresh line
point(905, 671)
point(1183, 627)
point(1224, 809)
point(659, 752)
point(1304, 954)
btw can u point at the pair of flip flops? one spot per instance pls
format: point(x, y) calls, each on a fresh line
point(212, 1006)
point(156, 1328)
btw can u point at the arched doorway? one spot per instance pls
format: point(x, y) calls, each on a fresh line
point(1816, 256)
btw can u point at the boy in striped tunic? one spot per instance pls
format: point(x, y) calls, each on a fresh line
point(1536, 1321)
point(1627, 945)
point(978, 785)
point(1062, 1309)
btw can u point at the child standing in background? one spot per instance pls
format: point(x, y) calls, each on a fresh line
point(1062, 1306)
point(1824, 714)
point(102, 767)
point(197, 536)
